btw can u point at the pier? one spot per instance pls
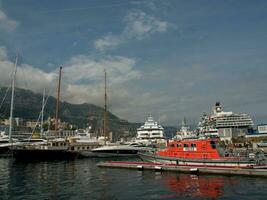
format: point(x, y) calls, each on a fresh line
point(184, 169)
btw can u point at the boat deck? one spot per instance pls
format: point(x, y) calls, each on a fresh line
point(185, 169)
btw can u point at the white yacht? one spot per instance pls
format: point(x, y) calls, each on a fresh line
point(149, 135)
point(150, 132)
point(120, 150)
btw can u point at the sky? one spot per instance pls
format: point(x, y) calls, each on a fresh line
point(171, 59)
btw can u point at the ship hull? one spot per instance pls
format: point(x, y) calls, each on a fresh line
point(119, 151)
point(148, 157)
point(42, 154)
point(115, 153)
point(4, 151)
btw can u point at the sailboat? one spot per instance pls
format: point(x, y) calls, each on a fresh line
point(6, 141)
point(57, 148)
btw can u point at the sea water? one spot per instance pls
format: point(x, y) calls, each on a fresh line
point(82, 179)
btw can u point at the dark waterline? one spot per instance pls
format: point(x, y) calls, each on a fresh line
point(82, 179)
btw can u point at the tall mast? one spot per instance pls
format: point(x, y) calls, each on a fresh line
point(12, 100)
point(58, 100)
point(105, 108)
point(42, 113)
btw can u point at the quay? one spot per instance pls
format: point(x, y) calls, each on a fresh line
point(184, 169)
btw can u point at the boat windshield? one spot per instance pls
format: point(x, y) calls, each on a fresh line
point(213, 144)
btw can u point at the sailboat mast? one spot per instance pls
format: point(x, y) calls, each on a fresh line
point(12, 100)
point(105, 108)
point(58, 100)
point(42, 113)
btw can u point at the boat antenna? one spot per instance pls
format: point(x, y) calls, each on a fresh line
point(12, 99)
point(105, 108)
point(58, 100)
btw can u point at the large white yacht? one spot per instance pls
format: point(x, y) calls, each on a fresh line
point(149, 135)
point(150, 132)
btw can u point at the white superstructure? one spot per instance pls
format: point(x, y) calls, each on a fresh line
point(150, 131)
point(221, 119)
point(184, 130)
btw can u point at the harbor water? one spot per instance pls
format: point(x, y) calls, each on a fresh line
point(82, 179)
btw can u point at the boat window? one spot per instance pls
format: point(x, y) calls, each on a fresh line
point(179, 145)
point(193, 145)
point(172, 145)
point(186, 145)
point(213, 144)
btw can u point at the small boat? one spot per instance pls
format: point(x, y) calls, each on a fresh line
point(201, 152)
point(262, 144)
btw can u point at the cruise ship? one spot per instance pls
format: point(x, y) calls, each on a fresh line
point(229, 125)
point(150, 132)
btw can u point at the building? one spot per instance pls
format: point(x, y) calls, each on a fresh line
point(16, 122)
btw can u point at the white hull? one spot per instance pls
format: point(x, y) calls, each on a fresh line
point(118, 151)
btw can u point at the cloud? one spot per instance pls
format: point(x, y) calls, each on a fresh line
point(3, 53)
point(83, 68)
point(27, 76)
point(7, 24)
point(138, 25)
point(108, 42)
point(82, 78)
point(168, 94)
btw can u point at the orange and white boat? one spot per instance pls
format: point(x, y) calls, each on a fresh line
point(201, 152)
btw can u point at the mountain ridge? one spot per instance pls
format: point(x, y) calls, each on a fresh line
point(27, 105)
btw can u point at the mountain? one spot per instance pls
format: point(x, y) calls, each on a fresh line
point(27, 105)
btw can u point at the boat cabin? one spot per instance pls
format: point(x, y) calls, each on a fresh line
point(192, 149)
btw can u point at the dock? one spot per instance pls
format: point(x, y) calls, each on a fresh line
point(185, 169)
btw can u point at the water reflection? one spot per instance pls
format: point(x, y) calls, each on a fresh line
point(5, 165)
point(202, 186)
point(82, 179)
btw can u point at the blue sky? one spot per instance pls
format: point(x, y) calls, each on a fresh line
point(170, 58)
